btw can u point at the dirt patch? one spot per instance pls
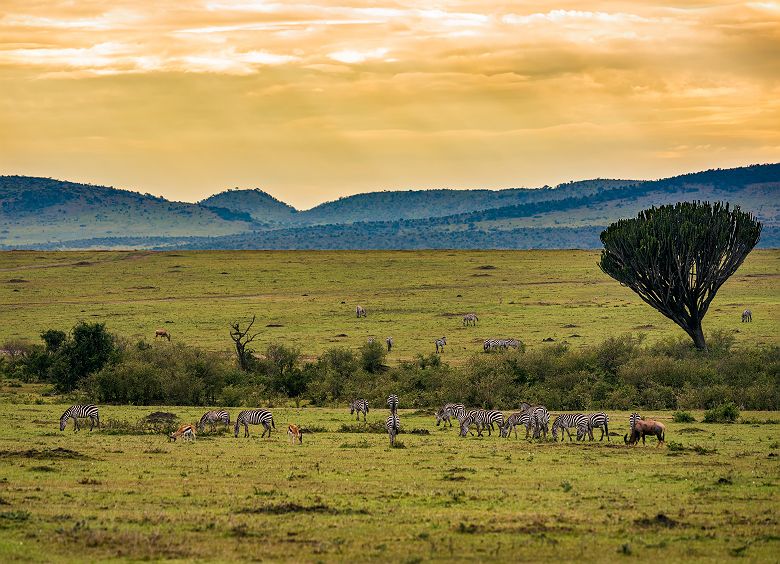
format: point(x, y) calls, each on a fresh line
point(342, 335)
point(569, 326)
point(660, 520)
point(648, 326)
point(18, 281)
point(45, 454)
point(142, 288)
point(485, 267)
point(274, 325)
point(691, 430)
point(284, 508)
point(83, 263)
point(480, 275)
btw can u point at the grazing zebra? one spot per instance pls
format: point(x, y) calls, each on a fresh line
point(77, 412)
point(567, 420)
point(502, 344)
point(359, 405)
point(540, 421)
point(186, 432)
point(517, 418)
point(255, 417)
point(483, 419)
point(360, 312)
point(392, 403)
point(393, 426)
point(389, 342)
point(633, 418)
point(747, 316)
point(212, 418)
point(470, 319)
point(456, 410)
point(600, 420)
point(440, 344)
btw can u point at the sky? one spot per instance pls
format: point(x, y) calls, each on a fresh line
point(315, 100)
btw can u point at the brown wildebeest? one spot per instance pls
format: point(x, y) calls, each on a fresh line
point(162, 333)
point(644, 427)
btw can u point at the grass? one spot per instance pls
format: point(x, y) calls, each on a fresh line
point(308, 299)
point(711, 496)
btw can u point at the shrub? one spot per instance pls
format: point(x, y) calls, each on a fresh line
point(724, 413)
point(683, 417)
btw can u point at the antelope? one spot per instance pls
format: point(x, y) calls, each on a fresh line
point(162, 333)
point(294, 432)
point(186, 431)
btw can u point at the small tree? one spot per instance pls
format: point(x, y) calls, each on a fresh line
point(241, 340)
point(677, 257)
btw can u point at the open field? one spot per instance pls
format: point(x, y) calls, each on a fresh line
point(309, 298)
point(342, 496)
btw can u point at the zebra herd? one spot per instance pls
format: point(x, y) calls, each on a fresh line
point(535, 419)
point(500, 344)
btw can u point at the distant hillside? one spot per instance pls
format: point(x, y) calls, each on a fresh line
point(40, 210)
point(261, 206)
point(568, 216)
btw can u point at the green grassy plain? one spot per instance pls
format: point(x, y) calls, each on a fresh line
point(310, 297)
point(712, 495)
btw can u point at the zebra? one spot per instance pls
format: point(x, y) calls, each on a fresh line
point(470, 319)
point(212, 418)
point(504, 344)
point(747, 316)
point(392, 403)
point(540, 421)
point(77, 412)
point(393, 426)
point(449, 410)
point(360, 312)
point(515, 419)
point(359, 405)
point(440, 344)
point(254, 417)
point(483, 419)
point(389, 342)
point(600, 420)
point(567, 420)
point(633, 418)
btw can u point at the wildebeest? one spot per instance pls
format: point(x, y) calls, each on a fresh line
point(747, 316)
point(645, 427)
point(360, 312)
point(162, 333)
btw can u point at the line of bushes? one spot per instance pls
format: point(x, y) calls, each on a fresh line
point(618, 373)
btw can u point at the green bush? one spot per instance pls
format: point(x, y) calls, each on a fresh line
point(724, 413)
point(683, 417)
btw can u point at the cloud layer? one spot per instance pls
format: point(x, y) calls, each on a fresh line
point(312, 100)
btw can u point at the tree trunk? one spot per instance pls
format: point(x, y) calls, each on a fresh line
point(696, 333)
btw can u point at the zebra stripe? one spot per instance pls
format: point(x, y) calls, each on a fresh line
point(501, 344)
point(598, 420)
point(482, 419)
point(359, 405)
point(633, 418)
point(255, 417)
point(515, 419)
point(567, 420)
point(77, 412)
point(440, 344)
point(393, 426)
point(540, 421)
point(470, 319)
point(212, 418)
point(392, 403)
point(449, 410)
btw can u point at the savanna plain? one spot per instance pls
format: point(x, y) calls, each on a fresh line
point(711, 494)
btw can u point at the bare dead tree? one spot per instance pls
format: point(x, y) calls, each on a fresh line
point(241, 340)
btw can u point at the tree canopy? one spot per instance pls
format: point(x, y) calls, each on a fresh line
point(677, 257)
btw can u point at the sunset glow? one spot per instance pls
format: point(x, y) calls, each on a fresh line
point(314, 100)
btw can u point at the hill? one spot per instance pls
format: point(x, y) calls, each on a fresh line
point(261, 206)
point(36, 211)
point(569, 216)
